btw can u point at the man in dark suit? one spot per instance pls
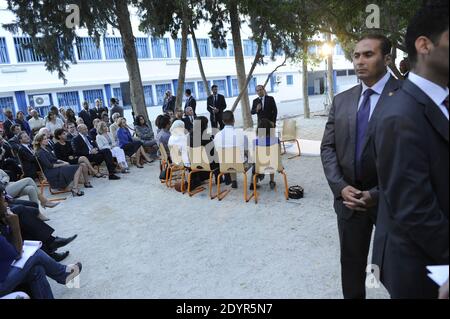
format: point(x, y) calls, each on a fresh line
point(9, 121)
point(83, 145)
point(27, 157)
point(189, 119)
point(264, 106)
point(216, 105)
point(8, 161)
point(115, 108)
point(349, 165)
point(88, 115)
point(412, 156)
point(169, 102)
point(100, 109)
point(14, 141)
point(190, 101)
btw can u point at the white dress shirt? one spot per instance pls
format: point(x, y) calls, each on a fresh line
point(231, 137)
point(378, 89)
point(435, 92)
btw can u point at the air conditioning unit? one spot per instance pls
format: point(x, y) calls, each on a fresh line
point(41, 100)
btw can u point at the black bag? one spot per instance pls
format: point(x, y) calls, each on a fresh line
point(296, 192)
point(162, 175)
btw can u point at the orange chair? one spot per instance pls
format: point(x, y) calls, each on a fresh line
point(200, 162)
point(177, 165)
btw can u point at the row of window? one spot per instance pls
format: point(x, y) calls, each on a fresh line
point(158, 48)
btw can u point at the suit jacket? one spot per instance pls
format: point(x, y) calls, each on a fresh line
point(28, 161)
point(192, 103)
point(221, 104)
point(115, 109)
point(338, 146)
point(88, 117)
point(188, 125)
point(7, 128)
point(169, 104)
point(14, 143)
point(270, 110)
point(411, 145)
point(80, 148)
point(100, 111)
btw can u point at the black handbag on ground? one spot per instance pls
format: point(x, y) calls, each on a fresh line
point(296, 192)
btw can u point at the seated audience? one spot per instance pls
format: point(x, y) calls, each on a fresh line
point(51, 143)
point(53, 123)
point(71, 131)
point(27, 157)
point(106, 141)
point(8, 162)
point(178, 138)
point(70, 117)
point(59, 174)
point(24, 126)
point(115, 125)
point(14, 141)
point(145, 134)
point(130, 146)
point(36, 122)
point(164, 132)
point(8, 122)
point(93, 131)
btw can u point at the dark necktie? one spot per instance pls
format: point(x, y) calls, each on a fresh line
point(361, 128)
point(446, 103)
point(262, 103)
point(215, 100)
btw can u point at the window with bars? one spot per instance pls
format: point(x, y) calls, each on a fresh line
point(113, 48)
point(69, 100)
point(24, 50)
point(161, 92)
point(289, 79)
point(235, 87)
point(252, 87)
point(221, 86)
point(190, 86)
point(91, 95)
point(266, 48)
point(250, 48)
point(4, 58)
point(230, 46)
point(202, 94)
point(142, 48)
point(338, 49)
point(87, 49)
point(178, 48)
point(117, 93)
point(161, 48)
point(148, 95)
point(6, 103)
point(218, 52)
point(203, 47)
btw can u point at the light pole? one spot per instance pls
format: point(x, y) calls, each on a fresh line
point(326, 52)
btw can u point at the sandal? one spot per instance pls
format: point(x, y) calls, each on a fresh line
point(88, 185)
point(78, 193)
point(99, 175)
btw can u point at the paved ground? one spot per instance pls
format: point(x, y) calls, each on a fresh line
point(138, 239)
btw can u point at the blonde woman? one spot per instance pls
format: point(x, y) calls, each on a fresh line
point(130, 146)
point(59, 173)
point(115, 126)
point(105, 140)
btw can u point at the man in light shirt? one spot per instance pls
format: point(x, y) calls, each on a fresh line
point(36, 122)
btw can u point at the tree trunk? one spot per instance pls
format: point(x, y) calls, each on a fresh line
point(240, 63)
point(199, 61)
point(306, 110)
point(130, 57)
point(330, 78)
point(183, 64)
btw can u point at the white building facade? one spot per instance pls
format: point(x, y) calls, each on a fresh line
point(99, 71)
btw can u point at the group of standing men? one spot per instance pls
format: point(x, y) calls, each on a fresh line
point(385, 154)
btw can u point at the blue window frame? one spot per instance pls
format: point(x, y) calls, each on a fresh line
point(91, 95)
point(161, 48)
point(202, 93)
point(338, 49)
point(161, 92)
point(117, 93)
point(266, 48)
point(203, 47)
point(230, 46)
point(69, 100)
point(113, 48)
point(289, 79)
point(6, 103)
point(235, 84)
point(142, 48)
point(250, 48)
point(218, 52)
point(190, 86)
point(4, 58)
point(25, 53)
point(148, 95)
point(87, 49)
point(221, 86)
point(252, 86)
point(178, 48)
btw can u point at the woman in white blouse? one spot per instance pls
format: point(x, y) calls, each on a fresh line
point(105, 140)
point(53, 123)
point(179, 138)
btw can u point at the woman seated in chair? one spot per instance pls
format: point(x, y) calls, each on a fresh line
point(53, 123)
point(105, 140)
point(64, 152)
point(145, 134)
point(130, 146)
point(179, 139)
point(265, 137)
point(59, 173)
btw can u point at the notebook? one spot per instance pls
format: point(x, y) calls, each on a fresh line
point(30, 247)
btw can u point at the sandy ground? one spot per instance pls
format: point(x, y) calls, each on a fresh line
point(139, 239)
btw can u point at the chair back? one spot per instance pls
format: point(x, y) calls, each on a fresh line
point(230, 160)
point(162, 151)
point(289, 131)
point(268, 159)
point(199, 158)
point(176, 155)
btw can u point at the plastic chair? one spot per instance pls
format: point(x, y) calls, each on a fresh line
point(177, 165)
point(289, 135)
point(199, 160)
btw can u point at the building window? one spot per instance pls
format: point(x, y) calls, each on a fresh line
point(252, 87)
point(351, 72)
point(113, 48)
point(203, 47)
point(230, 46)
point(25, 51)
point(142, 48)
point(250, 48)
point(178, 48)
point(202, 92)
point(161, 48)
point(218, 52)
point(117, 93)
point(161, 92)
point(221, 86)
point(338, 50)
point(91, 95)
point(4, 58)
point(190, 86)
point(87, 49)
point(148, 95)
point(235, 84)
point(290, 80)
point(6, 103)
point(69, 100)
point(341, 73)
point(266, 48)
